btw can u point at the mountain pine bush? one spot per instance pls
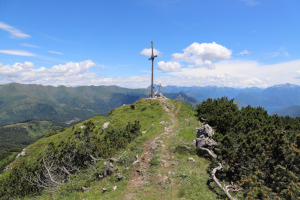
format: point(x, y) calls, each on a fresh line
point(259, 152)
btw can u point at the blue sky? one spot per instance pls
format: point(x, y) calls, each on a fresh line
point(235, 43)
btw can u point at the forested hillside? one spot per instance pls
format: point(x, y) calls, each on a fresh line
point(15, 137)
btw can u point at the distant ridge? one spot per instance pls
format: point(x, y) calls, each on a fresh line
point(292, 111)
point(272, 98)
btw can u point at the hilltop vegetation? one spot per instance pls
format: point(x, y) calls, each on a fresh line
point(259, 152)
point(145, 148)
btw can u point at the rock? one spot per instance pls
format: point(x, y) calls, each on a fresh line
point(101, 176)
point(206, 143)
point(23, 153)
point(152, 125)
point(105, 126)
point(191, 160)
point(109, 169)
point(143, 132)
point(85, 188)
point(205, 131)
point(119, 176)
point(104, 189)
point(114, 188)
point(82, 126)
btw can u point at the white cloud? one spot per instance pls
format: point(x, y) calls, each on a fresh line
point(69, 74)
point(251, 2)
point(208, 51)
point(231, 73)
point(203, 54)
point(17, 52)
point(148, 52)
point(29, 45)
point(245, 52)
point(168, 66)
point(56, 52)
point(14, 32)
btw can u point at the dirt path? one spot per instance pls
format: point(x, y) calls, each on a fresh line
point(141, 176)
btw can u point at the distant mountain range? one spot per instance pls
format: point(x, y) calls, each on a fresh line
point(292, 111)
point(273, 98)
point(19, 102)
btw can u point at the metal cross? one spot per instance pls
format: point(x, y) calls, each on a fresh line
point(152, 58)
point(159, 86)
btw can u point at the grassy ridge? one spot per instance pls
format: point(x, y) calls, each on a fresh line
point(185, 180)
point(143, 111)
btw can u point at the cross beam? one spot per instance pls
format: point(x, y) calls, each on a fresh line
point(152, 58)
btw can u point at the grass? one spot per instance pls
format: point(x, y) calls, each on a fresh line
point(170, 176)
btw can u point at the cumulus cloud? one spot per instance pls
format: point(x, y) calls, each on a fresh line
point(168, 66)
point(245, 52)
point(203, 54)
point(56, 52)
point(71, 73)
point(230, 73)
point(148, 52)
point(17, 52)
point(14, 32)
point(208, 51)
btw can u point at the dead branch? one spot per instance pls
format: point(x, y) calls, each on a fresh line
point(211, 153)
point(227, 188)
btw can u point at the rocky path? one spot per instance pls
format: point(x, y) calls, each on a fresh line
point(141, 176)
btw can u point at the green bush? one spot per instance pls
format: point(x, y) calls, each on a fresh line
point(259, 152)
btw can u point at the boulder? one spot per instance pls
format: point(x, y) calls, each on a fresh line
point(204, 131)
point(105, 126)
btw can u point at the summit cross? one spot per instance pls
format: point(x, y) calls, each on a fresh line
point(152, 58)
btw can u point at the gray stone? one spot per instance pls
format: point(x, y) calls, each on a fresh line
point(204, 131)
point(105, 126)
point(206, 143)
point(119, 176)
point(191, 160)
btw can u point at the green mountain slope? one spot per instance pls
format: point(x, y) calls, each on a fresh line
point(71, 164)
point(15, 137)
point(20, 102)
